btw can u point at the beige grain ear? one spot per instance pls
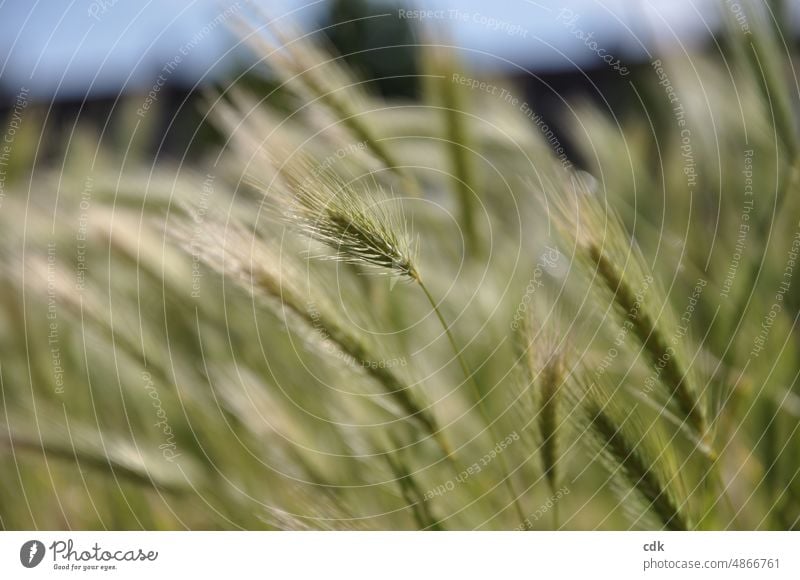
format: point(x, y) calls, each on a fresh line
point(545, 369)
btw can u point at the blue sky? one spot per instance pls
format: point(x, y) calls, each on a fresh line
point(72, 48)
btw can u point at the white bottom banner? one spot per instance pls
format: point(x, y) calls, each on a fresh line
point(401, 555)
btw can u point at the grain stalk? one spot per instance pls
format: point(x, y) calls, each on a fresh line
point(549, 402)
point(599, 235)
point(361, 228)
point(470, 378)
point(636, 469)
point(757, 48)
point(656, 345)
point(413, 494)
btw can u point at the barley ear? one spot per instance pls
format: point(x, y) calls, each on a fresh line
point(552, 378)
point(361, 226)
point(452, 101)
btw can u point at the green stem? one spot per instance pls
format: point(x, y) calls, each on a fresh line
point(468, 375)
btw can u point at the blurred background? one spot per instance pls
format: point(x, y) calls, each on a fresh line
point(173, 357)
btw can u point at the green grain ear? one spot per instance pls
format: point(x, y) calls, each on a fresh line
point(636, 465)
